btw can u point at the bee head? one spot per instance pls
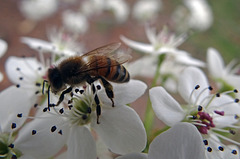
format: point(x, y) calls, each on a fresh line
point(55, 78)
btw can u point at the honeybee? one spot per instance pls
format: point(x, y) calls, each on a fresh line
point(99, 64)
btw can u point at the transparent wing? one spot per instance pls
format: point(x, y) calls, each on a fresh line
point(106, 50)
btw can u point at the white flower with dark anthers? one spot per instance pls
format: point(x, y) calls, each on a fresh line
point(196, 14)
point(182, 141)
point(210, 113)
point(13, 101)
point(61, 43)
point(146, 10)
point(119, 127)
point(3, 49)
point(227, 77)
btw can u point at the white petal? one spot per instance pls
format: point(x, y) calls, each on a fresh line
point(182, 141)
point(188, 80)
point(165, 106)
point(81, 144)
point(3, 47)
point(215, 63)
point(223, 103)
point(124, 93)
point(14, 101)
point(188, 60)
point(28, 70)
point(121, 130)
point(142, 66)
point(134, 156)
point(44, 143)
point(146, 48)
point(27, 156)
point(37, 44)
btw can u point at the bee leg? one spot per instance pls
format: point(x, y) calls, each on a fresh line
point(96, 99)
point(108, 89)
point(61, 98)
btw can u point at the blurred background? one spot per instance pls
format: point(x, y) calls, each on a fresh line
point(94, 23)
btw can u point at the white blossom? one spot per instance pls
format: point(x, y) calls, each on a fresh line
point(119, 127)
point(210, 113)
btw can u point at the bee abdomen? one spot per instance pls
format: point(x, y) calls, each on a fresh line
point(118, 74)
point(115, 72)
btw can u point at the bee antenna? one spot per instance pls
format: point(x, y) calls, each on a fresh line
point(44, 81)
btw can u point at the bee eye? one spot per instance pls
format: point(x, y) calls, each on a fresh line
point(55, 78)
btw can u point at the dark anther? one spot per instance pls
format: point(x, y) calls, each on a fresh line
point(221, 148)
point(236, 116)
point(200, 108)
point(71, 94)
point(35, 105)
point(197, 86)
point(18, 69)
point(98, 87)
point(39, 48)
point(39, 68)
point(194, 117)
point(69, 101)
point(70, 107)
point(232, 132)
point(81, 91)
point(14, 157)
point(218, 95)
point(36, 92)
point(89, 110)
point(19, 115)
point(18, 85)
point(11, 146)
point(14, 125)
point(205, 142)
point(45, 109)
point(236, 100)
point(234, 152)
point(60, 132)
point(34, 132)
point(38, 84)
point(20, 78)
point(235, 91)
point(210, 88)
point(54, 128)
point(209, 149)
point(84, 116)
point(76, 90)
point(61, 111)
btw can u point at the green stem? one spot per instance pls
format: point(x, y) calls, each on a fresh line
point(149, 115)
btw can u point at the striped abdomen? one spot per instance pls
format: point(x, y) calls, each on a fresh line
point(110, 69)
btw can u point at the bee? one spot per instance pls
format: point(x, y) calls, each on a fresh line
point(99, 64)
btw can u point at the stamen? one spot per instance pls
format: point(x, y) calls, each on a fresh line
point(227, 139)
point(34, 132)
point(209, 149)
point(221, 148)
point(234, 152)
point(14, 125)
point(205, 142)
point(54, 128)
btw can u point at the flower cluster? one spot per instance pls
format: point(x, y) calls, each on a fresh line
point(69, 102)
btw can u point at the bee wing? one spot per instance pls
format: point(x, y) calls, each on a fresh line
point(98, 63)
point(106, 50)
